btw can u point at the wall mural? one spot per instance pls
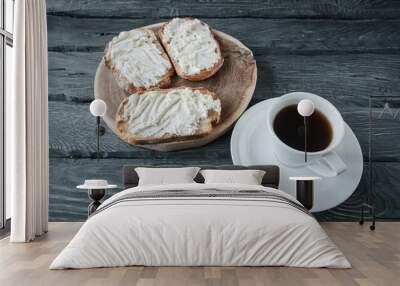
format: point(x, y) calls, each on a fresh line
point(268, 51)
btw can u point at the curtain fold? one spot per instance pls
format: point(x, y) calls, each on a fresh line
point(27, 123)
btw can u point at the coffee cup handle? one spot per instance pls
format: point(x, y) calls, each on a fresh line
point(330, 165)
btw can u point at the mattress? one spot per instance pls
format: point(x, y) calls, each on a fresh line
point(201, 225)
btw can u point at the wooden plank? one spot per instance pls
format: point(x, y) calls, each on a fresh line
point(68, 203)
point(71, 76)
point(352, 77)
point(72, 135)
point(351, 9)
point(343, 76)
point(385, 132)
point(267, 35)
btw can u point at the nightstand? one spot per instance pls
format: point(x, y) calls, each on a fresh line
point(96, 191)
point(305, 190)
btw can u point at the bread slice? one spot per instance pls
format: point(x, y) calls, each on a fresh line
point(192, 48)
point(138, 61)
point(166, 115)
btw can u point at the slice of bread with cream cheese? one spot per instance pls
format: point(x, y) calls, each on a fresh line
point(192, 48)
point(138, 61)
point(165, 115)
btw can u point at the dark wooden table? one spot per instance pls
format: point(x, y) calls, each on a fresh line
point(344, 51)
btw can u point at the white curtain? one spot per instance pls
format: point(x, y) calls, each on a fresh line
point(27, 124)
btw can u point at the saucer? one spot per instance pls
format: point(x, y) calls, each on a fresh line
point(252, 145)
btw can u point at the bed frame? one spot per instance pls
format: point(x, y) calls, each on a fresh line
point(271, 177)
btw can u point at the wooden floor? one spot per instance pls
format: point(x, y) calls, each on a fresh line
point(375, 257)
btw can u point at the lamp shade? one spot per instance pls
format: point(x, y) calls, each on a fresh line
point(305, 107)
point(98, 107)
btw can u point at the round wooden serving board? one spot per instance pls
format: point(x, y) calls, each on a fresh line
point(234, 83)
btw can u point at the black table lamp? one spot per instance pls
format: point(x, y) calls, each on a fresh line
point(305, 108)
point(98, 109)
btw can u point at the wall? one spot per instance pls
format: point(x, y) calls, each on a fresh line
point(344, 51)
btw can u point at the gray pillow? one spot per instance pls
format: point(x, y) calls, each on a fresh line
point(166, 176)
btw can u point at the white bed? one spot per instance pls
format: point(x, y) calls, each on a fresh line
point(185, 230)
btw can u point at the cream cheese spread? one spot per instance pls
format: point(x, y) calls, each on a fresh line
point(177, 112)
point(137, 57)
point(191, 45)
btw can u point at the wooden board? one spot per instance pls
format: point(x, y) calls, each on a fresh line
point(71, 75)
point(268, 36)
point(326, 9)
point(234, 84)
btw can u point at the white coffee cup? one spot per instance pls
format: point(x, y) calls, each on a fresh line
point(327, 162)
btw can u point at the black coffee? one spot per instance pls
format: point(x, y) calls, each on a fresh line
point(289, 127)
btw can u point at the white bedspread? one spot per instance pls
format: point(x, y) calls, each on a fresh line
point(200, 231)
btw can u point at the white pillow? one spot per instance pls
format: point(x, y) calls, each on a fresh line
point(165, 176)
point(248, 177)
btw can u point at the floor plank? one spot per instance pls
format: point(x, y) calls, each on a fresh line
point(375, 257)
